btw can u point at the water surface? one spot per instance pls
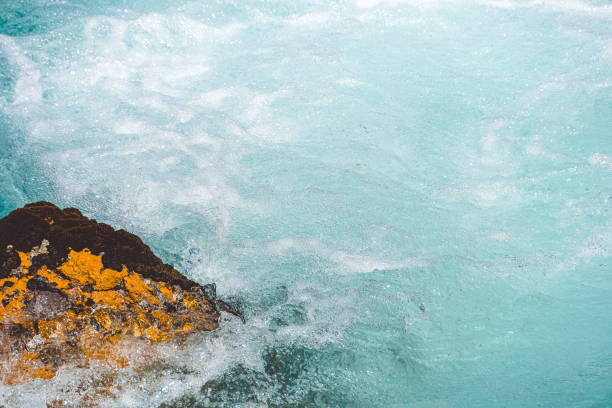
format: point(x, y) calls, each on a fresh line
point(411, 199)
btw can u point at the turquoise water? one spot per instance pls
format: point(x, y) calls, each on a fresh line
point(410, 199)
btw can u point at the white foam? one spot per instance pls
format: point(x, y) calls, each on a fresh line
point(132, 127)
point(259, 104)
point(308, 20)
point(501, 236)
point(367, 4)
point(572, 6)
point(351, 82)
point(490, 140)
point(27, 87)
point(599, 242)
point(188, 367)
point(599, 159)
point(348, 262)
point(129, 72)
point(215, 98)
point(491, 192)
point(565, 6)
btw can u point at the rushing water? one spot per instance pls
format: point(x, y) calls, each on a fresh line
point(410, 199)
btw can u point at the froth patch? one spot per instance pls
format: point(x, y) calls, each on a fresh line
point(308, 20)
point(131, 127)
point(348, 262)
point(27, 87)
point(574, 6)
point(598, 159)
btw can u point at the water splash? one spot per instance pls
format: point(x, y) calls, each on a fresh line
point(409, 199)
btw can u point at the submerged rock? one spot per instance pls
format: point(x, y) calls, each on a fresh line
point(75, 291)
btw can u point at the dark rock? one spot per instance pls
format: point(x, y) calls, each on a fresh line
point(75, 290)
point(39, 283)
point(68, 229)
point(231, 308)
point(9, 260)
point(209, 290)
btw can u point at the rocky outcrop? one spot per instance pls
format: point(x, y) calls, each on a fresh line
point(75, 291)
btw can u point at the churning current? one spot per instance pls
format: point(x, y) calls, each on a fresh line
point(410, 200)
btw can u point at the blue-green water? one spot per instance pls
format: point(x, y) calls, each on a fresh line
point(411, 199)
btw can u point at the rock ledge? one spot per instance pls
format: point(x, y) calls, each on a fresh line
point(76, 292)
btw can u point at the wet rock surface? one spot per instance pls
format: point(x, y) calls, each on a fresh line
point(74, 291)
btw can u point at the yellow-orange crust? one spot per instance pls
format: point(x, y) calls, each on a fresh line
point(101, 311)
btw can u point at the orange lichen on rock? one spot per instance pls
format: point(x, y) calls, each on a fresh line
point(95, 309)
point(75, 292)
point(11, 299)
point(25, 259)
point(86, 268)
point(109, 298)
point(138, 289)
point(54, 278)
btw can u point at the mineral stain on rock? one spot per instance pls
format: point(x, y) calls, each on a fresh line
point(75, 291)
